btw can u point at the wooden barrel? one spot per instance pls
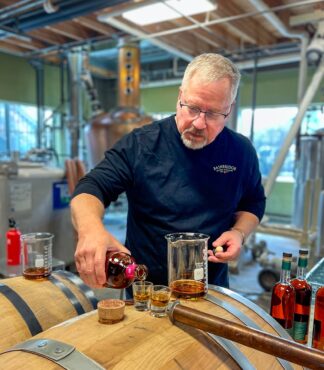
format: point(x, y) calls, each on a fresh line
point(141, 341)
point(29, 307)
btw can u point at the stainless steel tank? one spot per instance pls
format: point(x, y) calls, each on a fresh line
point(37, 197)
point(107, 128)
point(309, 179)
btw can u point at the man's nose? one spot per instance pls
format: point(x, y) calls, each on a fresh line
point(200, 121)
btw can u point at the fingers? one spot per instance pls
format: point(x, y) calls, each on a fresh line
point(99, 268)
point(231, 243)
point(90, 257)
point(219, 257)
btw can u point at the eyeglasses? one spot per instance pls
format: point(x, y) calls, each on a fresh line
point(194, 112)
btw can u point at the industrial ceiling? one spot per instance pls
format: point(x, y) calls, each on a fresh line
point(244, 30)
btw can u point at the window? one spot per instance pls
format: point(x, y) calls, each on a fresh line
point(19, 129)
point(3, 131)
point(271, 126)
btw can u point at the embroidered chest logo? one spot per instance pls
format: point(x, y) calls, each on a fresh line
point(224, 168)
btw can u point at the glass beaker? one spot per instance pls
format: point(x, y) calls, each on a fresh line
point(36, 255)
point(187, 264)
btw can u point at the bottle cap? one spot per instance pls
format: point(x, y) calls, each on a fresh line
point(303, 252)
point(287, 255)
point(12, 222)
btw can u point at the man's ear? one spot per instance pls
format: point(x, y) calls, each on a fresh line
point(231, 107)
point(179, 94)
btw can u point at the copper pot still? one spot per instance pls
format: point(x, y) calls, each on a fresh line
point(107, 128)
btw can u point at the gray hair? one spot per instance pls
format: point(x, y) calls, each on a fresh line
point(211, 67)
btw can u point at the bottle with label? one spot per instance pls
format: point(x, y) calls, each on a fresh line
point(303, 292)
point(283, 296)
point(13, 243)
point(318, 329)
point(121, 270)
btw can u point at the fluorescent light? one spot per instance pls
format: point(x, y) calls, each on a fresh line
point(161, 12)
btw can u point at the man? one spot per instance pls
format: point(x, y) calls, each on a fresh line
point(187, 172)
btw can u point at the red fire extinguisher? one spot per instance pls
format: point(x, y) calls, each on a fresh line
point(13, 243)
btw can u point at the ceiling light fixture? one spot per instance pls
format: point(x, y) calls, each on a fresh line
point(161, 12)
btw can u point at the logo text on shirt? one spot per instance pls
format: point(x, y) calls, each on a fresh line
point(224, 168)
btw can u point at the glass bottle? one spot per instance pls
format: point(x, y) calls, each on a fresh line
point(121, 270)
point(303, 292)
point(283, 296)
point(318, 329)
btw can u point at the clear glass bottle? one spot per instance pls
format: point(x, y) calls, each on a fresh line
point(283, 296)
point(121, 270)
point(318, 330)
point(303, 292)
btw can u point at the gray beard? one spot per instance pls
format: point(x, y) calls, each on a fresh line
point(191, 144)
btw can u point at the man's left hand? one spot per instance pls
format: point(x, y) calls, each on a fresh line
point(232, 242)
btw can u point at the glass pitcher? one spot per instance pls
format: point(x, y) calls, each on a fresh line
point(187, 264)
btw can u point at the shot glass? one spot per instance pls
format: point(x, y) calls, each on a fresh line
point(142, 293)
point(160, 297)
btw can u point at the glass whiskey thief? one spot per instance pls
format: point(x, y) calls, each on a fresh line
point(283, 297)
point(303, 292)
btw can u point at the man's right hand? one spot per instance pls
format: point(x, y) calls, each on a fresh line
point(93, 239)
point(90, 256)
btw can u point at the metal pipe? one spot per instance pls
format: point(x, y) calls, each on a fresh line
point(281, 27)
point(194, 21)
point(227, 19)
point(254, 95)
point(262, 62)
point(262, 341)
point(310, 92)
point(141, 35)
point(17, 12)
point(13, 9)
point(302, 77)
point(68, 9)
point(275, 21)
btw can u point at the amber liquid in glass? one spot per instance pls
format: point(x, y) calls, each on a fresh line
point(302, 309)
point(160, 299)
point(282, 305)
point(318, 331)
point(36, 273)
point(188, 289)
point(142, 296)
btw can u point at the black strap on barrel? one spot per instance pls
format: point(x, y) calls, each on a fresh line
point(21, 306)
point(87, 292)
point(67, 292)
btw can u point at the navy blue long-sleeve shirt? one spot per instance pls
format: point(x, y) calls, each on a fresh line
point(171, 188)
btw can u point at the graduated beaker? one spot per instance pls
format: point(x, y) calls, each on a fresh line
point(187, 264)
point(36, 255)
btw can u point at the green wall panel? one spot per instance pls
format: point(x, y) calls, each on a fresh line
point(280, 200)
point(159, 99)
point(52, 86)
point(17, 80)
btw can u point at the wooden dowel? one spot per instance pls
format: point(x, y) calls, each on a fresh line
point(265, 342)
